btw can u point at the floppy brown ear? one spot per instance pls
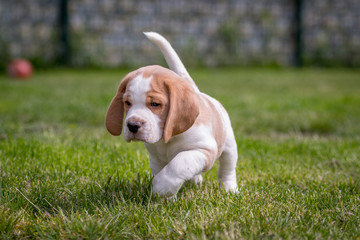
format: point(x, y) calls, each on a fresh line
point(115, 112)
point(183, 109)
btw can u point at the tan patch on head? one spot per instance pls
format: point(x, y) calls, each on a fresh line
point(179, 100)
point(160, 96)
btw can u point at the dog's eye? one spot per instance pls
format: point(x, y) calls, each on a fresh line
point(154, 104)
point(128, 103)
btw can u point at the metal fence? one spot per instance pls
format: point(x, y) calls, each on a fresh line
point(204, 32)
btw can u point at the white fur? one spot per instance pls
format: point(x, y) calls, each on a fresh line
point(150, 131)
point(183, 157)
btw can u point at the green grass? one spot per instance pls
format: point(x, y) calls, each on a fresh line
point(63, 176)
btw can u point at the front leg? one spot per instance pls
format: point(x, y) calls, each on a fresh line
point(184, 166)
point(155, 165)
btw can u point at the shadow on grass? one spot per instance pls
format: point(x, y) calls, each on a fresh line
point(50, 199)
point(90, 195)
point(136, 190)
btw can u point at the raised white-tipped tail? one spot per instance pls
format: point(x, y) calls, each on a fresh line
point(171, 57)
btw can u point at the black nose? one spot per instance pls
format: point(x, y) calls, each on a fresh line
point(134, 126)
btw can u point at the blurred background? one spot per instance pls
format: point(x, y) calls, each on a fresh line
point(206, 33)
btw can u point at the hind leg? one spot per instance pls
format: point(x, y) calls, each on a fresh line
point(227, 166)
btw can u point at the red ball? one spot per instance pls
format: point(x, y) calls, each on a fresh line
point(20, 68)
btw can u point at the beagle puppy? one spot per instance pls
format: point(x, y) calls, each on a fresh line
point(184, 130)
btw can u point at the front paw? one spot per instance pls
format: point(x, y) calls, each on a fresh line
point(230, 186)
point(166, 186)
point(196, 180)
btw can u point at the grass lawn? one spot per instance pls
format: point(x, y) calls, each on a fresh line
point(62, 176)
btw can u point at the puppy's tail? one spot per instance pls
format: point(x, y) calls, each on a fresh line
point(171, 57)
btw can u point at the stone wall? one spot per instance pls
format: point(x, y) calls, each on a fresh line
point(332, 32)
point(28, 29)
point(204, 32)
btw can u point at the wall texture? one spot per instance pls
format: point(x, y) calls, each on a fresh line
point(204, 32)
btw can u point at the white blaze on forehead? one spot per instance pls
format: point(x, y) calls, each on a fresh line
point(138, 88)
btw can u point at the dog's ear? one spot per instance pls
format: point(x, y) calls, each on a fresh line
point(183, 108)
point(115, 112)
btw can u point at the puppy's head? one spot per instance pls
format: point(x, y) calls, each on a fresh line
point(157, 104)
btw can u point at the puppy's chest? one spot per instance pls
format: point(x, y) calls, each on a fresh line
point(161, 151)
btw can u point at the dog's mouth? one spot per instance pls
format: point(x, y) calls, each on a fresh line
point(131, 137)
point(137, 137)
